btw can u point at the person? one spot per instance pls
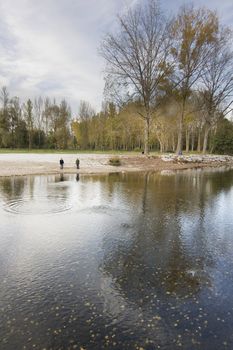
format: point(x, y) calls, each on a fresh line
point(61, 163)
point(77, 163)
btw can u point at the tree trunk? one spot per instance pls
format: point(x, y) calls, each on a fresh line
point(29, 140)
point(187, 140)
point(212, 145)
point(199, 141)
point(161, 145)
point(205, 141)
point(179, 142)
point(147, 134)
point(180, 130)
point(173, 143)
point(39, 138)
point(192, 145)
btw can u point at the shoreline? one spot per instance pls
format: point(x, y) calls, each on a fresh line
point(40, 164)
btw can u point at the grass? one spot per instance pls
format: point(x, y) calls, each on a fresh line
point(51, 151)
point(69, 151)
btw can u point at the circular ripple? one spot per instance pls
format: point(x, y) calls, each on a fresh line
point(37, 205)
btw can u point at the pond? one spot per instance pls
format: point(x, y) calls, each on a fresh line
point(118, 261)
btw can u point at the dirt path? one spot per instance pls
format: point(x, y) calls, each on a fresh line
point(29, 164)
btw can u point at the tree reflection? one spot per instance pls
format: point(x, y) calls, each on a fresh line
point(11, 187)
point(166, 252)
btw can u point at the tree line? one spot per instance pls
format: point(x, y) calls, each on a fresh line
point(42, 123)
point(122, 129)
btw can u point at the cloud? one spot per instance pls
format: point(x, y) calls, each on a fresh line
point(49, 47)
point(224, 8)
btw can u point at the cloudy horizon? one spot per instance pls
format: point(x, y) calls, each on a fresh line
point(49, 48)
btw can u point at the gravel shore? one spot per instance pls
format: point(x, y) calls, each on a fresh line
point(13, 164)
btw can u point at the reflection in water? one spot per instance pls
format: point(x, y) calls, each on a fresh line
point(11, 187)
point(134, 261)
point(33, 195)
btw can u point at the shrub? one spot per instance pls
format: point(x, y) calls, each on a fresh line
point(115, 161)
point(223, 139)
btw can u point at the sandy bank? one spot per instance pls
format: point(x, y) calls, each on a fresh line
point(30, 164)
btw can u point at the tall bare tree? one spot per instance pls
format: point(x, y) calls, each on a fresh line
point(46, 115)
point(29, 119)
point(137, 56)
point(217, 78)
point(194, 32)
point(4, 97)
point(38, 109)
point(14, 116)
point(4, 118)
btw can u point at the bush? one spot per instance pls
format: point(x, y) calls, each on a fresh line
point(115, 161)
point(223, 139)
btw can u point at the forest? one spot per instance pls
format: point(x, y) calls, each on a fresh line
point(168, 88)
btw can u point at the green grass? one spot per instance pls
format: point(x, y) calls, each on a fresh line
point(69, 151)
point(51, 151)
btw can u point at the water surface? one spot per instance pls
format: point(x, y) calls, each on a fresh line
point(119, 261)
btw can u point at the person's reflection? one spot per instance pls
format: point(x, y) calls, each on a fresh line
point(77, 177)
point(61, 177)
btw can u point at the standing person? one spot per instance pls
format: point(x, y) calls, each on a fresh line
point(77, 163)
point(61, 163)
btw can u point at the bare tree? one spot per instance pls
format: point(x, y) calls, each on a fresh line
point(86, 112)
point(194, 32)
point(38, 109)
point(46, 115)
point(29, 119)
point(4, 97)
point(116, 92)
point(14, 116)
point(217, 89)
point(137, 56)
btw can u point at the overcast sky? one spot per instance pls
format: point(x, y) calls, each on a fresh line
point(49, 47)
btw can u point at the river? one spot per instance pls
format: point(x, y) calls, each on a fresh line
point(118, 261)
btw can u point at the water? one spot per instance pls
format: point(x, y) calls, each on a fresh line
point(119, 261)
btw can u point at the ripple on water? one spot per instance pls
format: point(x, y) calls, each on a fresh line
point(38, 205)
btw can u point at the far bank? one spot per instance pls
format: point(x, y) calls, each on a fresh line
point(16, 164)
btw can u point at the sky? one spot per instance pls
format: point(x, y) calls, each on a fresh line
point(50, 47)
